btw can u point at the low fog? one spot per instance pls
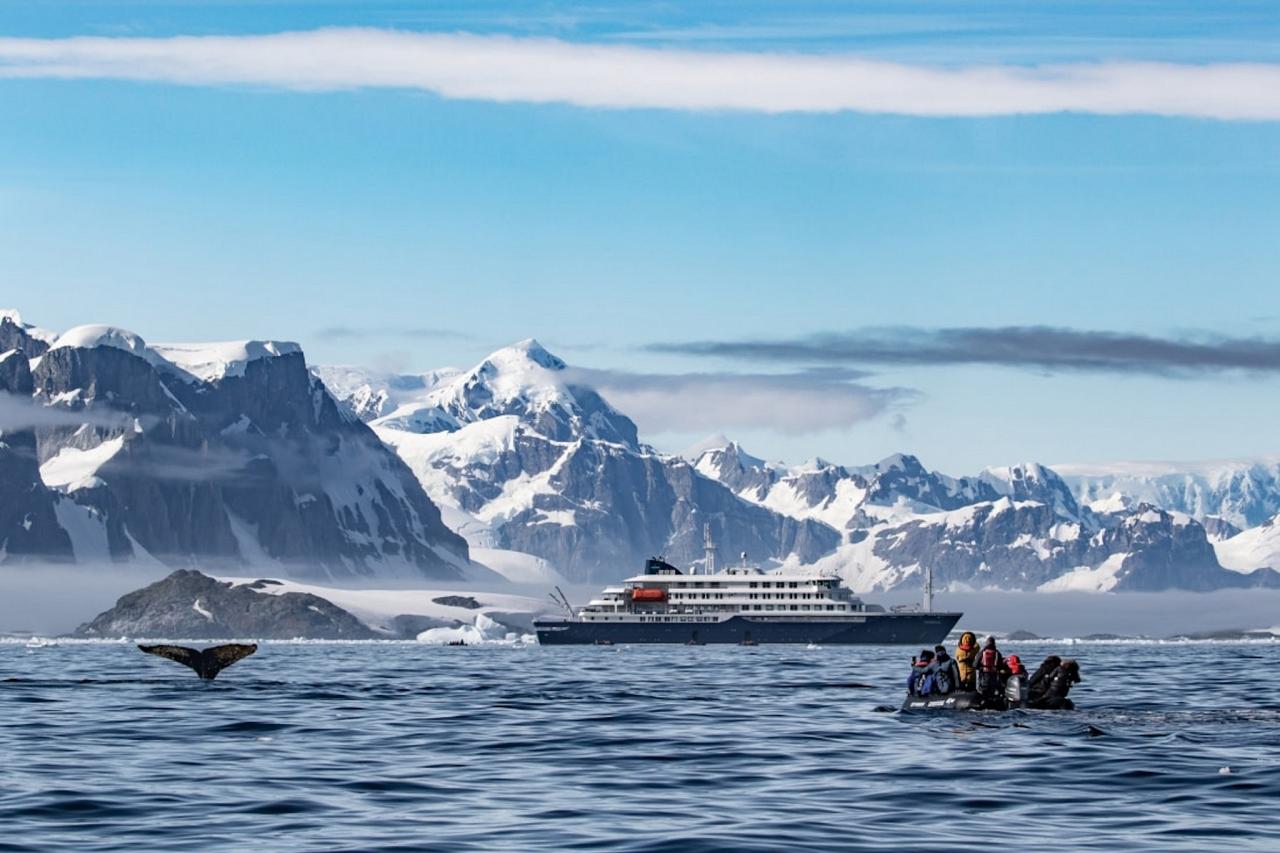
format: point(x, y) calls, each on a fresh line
point(54, 599)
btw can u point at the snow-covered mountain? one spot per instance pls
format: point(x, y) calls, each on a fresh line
point(1252, 548)
point(220, 454)
point(370, 394)
point(522, 459)
point(845, 498)
point(1015, 527)
point(233, 454)
point(1243, 492)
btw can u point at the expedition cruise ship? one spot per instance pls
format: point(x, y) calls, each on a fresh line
point(739, 605)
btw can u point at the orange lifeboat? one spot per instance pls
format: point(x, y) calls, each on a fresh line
point(648, 595)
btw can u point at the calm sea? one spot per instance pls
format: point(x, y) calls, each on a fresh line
point(392, 746)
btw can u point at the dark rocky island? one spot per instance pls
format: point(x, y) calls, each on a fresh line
point(191, 605)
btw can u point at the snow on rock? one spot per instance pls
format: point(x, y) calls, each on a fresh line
point(523, 380)
point(14, 317)
point(1084, 579)
point(517, 566)
point(1255, 548)
point(97, 335)
point(370, 394)
point(74, 469)
point(1032, 481)
point(213, 361)
point(1244, 492)
point(207, 362)
point(1116, 502)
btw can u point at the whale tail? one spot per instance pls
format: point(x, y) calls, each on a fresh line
point(206, 662)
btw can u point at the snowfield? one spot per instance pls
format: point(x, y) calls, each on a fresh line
point(1251, 549)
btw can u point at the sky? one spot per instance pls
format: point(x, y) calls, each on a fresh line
point(983, 233)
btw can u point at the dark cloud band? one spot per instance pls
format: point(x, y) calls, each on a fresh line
point(1031, 347)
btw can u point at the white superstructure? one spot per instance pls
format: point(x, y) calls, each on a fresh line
point(665, 594)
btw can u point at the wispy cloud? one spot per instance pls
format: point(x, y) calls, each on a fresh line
point(19, 412)
point(207, 464)
point(1032, 347)
point(538, 70)
point(365, 332)
point(794, 403)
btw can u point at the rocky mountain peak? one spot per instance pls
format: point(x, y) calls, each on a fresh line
point(527, 351)
point(1031, 481)
point(224, 453)
point(16, 335)
point(524, 380)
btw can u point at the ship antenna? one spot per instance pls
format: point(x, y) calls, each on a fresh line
point(928, 588)
point(563, 601)
point(709, 546)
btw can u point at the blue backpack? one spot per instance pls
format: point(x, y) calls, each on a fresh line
point(928, 683)
point(942, 682)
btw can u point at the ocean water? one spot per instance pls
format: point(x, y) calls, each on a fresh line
point(401, 746)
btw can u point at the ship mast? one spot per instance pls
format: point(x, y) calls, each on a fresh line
point(709, 550)
point(928, 588)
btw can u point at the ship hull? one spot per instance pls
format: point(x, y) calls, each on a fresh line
point(917, 629)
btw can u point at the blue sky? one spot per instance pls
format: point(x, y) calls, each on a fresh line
point(432, 229)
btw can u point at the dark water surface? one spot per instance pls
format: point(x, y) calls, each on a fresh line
point(404, 746)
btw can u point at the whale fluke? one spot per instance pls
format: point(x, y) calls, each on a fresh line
point(206, 662)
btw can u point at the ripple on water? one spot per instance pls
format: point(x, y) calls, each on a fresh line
point(401, 746)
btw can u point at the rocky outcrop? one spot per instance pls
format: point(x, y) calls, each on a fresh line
point(191, 605)
point(1218, 528)
point(17, 335)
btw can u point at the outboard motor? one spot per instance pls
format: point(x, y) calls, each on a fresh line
point(1015, 687)
point(1015, 691)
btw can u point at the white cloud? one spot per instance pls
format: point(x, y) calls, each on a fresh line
point(536, 70)
point(790, 403)
point(18, 412)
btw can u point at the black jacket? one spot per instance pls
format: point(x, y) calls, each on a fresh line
point(1039, 680)
point(1057, 686)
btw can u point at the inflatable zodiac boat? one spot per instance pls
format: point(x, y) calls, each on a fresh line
point(962, 701)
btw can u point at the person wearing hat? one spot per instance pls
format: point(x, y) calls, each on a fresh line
point(966, 658)
point(1039, 681)
point(946, 675)
point(915, 681)
point(1055, 694)
point(989, 669)
point(1015, 685)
